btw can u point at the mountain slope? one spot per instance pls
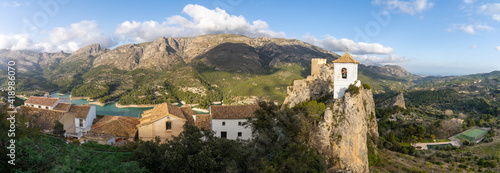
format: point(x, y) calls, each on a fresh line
point(200, 69)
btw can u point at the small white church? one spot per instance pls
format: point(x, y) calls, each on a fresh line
point(326, 78)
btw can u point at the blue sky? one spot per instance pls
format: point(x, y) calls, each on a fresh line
point(427, 37)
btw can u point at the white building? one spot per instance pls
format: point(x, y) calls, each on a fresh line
point(229, 121)
point(346, 73)
point(45, 102)
point(84, 116)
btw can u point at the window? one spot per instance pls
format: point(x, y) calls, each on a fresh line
point(239, 134)
point(344, 73)
point(223, 123)
point(39, 106)
point(223, 134)
point(46, 107)
point(81, 122)
point(239, 123)
point(168, 125)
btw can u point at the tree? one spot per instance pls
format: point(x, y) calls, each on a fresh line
point(421, 131)
point(281, 140)
point(413, 138)
point(195, 150)
point(59, 129)
point(433, 137)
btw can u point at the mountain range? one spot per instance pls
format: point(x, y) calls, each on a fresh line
point(234, 67)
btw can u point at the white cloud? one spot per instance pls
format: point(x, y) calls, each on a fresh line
point(391, 59)
point(201, 21)
point(492, 10)
point(410, 7)
point(470, 28)
point(497, 48)
point(79, 35)
point(333, 44)
point(473, 47)
point(13, 4)
point(67, 39)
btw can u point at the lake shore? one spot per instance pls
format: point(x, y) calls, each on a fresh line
point(135, 106)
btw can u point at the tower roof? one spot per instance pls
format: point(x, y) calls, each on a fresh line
point(346, 58)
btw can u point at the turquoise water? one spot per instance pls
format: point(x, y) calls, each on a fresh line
point(108, 109)
point(111, 109)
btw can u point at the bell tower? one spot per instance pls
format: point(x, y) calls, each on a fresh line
point(345, 73)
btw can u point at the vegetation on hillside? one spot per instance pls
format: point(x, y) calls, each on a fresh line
point(282, 144)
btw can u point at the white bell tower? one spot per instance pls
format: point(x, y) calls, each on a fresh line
point(345, 73)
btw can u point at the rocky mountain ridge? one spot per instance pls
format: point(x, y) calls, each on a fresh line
point(184, 62)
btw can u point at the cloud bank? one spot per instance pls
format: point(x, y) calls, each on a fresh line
point(201, 21)
point(198, 20)
point(68, 39)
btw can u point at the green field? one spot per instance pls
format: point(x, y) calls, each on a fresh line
point(471, 135)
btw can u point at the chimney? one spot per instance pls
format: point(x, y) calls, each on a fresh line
point(276, 102)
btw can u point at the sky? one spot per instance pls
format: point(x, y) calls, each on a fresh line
point(426, 37)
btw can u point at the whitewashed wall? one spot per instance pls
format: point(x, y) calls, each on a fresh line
point(340, 84)
point(232, 128)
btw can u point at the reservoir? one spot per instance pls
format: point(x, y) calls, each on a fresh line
point(108, 109)
point(111, 109)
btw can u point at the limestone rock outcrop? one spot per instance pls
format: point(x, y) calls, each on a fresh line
point(311, 88)
point(396, 100)
point(349, 123)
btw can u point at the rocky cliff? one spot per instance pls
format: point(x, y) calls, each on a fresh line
point(396, 100)
point(311, 88)
point(348, 124)
point(347, 127)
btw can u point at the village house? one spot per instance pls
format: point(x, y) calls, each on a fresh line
point(165, 121)
point(45, 102)
point(84, 116)
point(45, 111)
point(45, 119)
point(112, 129)
point(229, 121)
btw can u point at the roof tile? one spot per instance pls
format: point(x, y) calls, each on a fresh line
point(233, 112)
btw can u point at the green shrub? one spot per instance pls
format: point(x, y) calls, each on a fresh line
point(366, 86)
point(353, 89)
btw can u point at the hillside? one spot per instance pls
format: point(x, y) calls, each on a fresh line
point(199, 69)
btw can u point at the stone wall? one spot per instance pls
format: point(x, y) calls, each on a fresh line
point(311, 88)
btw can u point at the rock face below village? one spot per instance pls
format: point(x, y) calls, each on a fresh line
point(348, 125)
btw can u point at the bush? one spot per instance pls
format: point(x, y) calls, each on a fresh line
point(366, 86)
point(353, 89)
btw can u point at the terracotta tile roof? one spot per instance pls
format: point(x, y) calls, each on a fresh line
point(188, 113)
point(97, 136)
point(346, 58)
point(63, 107)
point(116, 125)
point(163, 110)
point(45, 101)
point(233, 112)
point(203, 121)
point(42, 118)
point(80, 111)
